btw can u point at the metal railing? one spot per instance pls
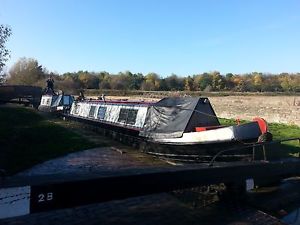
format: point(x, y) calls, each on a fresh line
point(254, 146)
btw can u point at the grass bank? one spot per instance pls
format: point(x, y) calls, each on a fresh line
point(279, 132)
point(27, 138)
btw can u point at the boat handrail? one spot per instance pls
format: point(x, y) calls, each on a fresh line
point(258, 144)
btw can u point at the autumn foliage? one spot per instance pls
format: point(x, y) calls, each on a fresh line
point(30, 72)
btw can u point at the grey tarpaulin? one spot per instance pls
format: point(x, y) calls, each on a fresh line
point(171, 117)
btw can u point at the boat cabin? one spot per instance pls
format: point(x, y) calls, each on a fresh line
point(172, 120)
point(53, 103)
point(123, 113)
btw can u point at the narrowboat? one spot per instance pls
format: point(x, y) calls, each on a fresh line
point(55, 103)
point(173, 126)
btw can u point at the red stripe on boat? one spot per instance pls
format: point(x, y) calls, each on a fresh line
point(199, 129)
point(119, 102)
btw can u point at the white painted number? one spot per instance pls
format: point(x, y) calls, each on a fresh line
point(49, 196)
point(45, 197)
point(41, 198)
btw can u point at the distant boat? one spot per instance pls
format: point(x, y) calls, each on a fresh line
point(57, 103)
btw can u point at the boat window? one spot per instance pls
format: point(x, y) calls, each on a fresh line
point(92, 111)
point(128, 116)
point(67, 100)
point(54, 99)
point(48, 101)
point(101, 113)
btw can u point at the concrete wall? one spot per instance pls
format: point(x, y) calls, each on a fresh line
point(279, 109)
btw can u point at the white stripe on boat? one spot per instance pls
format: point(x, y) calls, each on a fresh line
point(210, 136)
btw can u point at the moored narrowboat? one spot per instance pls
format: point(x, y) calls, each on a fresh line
point(56, 103)
point(172, 126)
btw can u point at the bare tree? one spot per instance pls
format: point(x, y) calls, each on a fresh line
point(5, 32)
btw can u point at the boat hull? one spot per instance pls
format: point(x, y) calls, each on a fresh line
point(232, 151)
point(182, 152)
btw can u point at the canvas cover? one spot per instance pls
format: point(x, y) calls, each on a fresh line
point(171, 117)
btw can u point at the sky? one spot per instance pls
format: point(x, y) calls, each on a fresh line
point(184, 37)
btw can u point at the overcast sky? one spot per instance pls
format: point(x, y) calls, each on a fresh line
point(165, 36)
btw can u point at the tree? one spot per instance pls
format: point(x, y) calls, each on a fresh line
point(3, 76)
point(26, 71)
point(239, 83)
point(289, 82)
point(285, 81)
point(163, 85)
point(151, 82)
point(217, 81)
point(229, 83)
point(5, 32)
point(202, 81)
point(271, 83)
point(88, 80)
point(188, 84)
point(257, 81)
point(104, 80)
point(120, 81)
point(66, 83)
point(295, 83)
point(175, 83)
point(136, 81)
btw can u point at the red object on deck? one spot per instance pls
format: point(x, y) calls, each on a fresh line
point(263, 126)
point(199, 129)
